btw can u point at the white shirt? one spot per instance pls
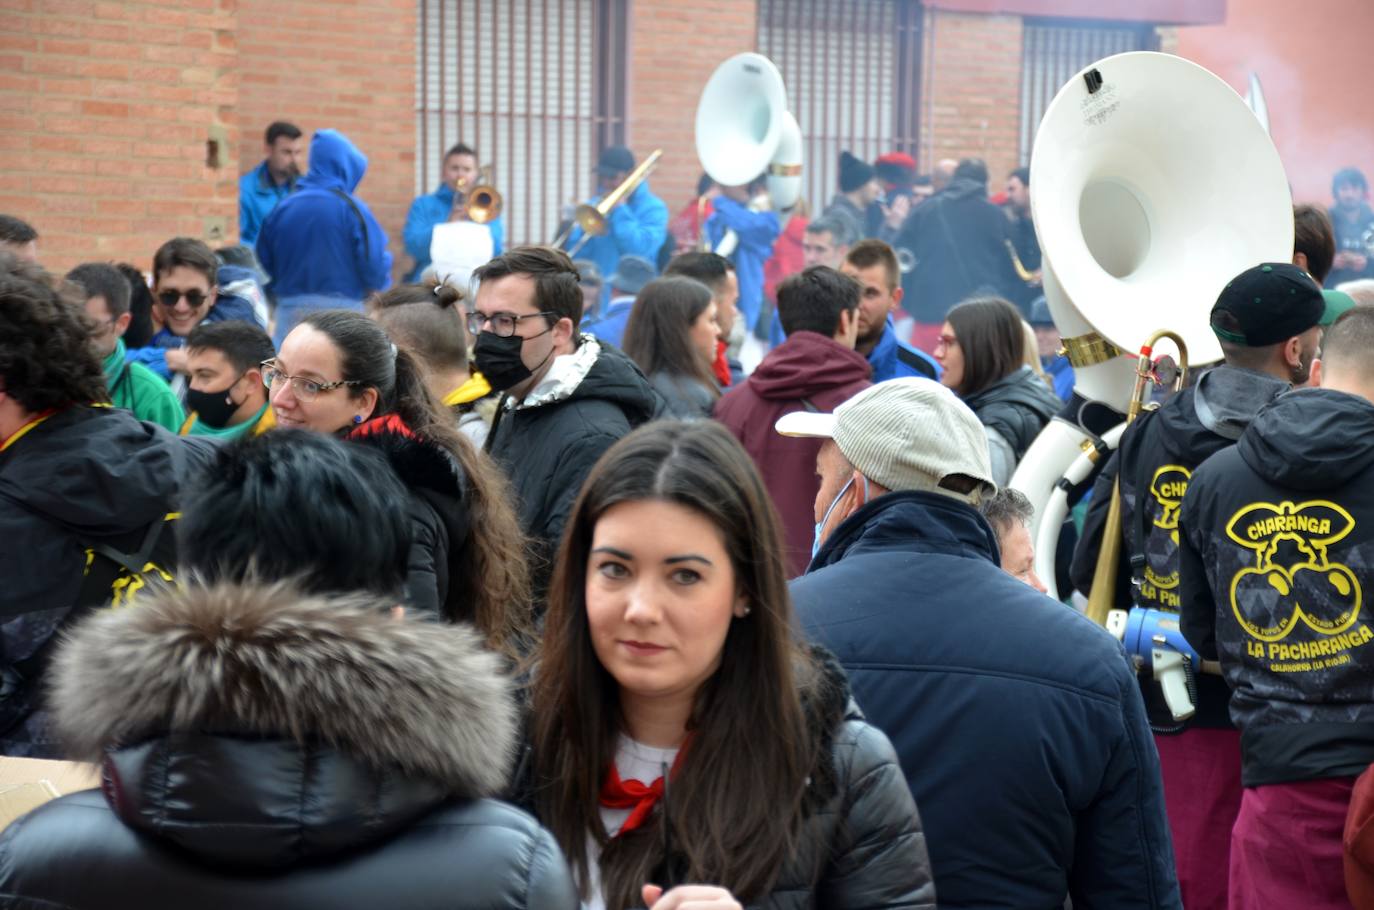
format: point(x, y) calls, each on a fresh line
point(633, 761)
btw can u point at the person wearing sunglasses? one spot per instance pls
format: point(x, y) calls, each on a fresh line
point(338, 372)
point(186, 292)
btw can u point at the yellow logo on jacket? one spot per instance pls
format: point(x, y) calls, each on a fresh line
point(1294, 581)
point(1167, 487)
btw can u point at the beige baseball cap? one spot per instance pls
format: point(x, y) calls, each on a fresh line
point(906, 434)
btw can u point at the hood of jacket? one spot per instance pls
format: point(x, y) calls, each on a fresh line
point(1226, 399)
point(335, 163)
point(964, 188)
point(597, 371)
point(910, 521)
point(1311, 439)
point(792, 370)
point(260, 727)
point(95, 471)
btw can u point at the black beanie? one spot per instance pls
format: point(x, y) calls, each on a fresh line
point(854, 173)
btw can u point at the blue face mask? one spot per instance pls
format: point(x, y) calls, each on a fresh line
point(820, 525)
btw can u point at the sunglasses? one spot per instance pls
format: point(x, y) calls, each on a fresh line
point(170, 299)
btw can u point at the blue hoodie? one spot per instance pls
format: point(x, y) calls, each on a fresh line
point(314, 242)
point(636, 227)
point(757, 232)
point(229, 305)
point(428, 212)
point(258, 196)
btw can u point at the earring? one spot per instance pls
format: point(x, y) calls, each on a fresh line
point(357, 418)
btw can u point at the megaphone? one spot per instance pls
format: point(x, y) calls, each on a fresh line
point(1152, 185)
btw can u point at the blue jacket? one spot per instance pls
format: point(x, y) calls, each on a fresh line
point(227, 307)
point(258, 195)
point(609, 324)
point(1061, 371)
point(1018, 721)
point(757, 232)
point(428, 211)
point(638, 226)
point(314, 243)
point(893, 359)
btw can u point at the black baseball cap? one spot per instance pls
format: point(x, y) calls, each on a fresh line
point(1267, 304)
point(615, 159)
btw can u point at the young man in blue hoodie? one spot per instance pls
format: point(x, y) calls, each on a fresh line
point(321, 245)
point(873, 264)
point(433, 209)
point(638, 226)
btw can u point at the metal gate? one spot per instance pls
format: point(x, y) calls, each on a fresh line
point(852, 73)
point(537, 87)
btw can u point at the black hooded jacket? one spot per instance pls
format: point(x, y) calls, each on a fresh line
point(1013, 410)
point(83, 478)
point(1277, 567)
point(267, 749)
point(1155, 459)
point(549, 442)
point(959, 240)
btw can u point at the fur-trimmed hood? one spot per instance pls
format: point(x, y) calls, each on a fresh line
point(257, 724)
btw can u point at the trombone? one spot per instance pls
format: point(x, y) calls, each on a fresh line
point(480, 202)
point(1109, 556)
point(592, 218)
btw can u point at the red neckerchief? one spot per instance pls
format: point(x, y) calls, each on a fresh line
point(722, 366)
point(635, 795)
point(387, 423)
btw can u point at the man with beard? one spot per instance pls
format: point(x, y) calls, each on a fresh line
point(873, 264)
point(1275, 565)
point(1353, 220)
point(272, 180)
point(1268, 322)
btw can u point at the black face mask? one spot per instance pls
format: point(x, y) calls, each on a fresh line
point(213, 408)
point(498, 359)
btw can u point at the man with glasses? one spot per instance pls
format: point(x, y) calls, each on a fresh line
point(567, 399)
point(185, 293)
point(132, 386)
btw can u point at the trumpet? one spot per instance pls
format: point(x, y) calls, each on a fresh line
point(1109, 557)
point(478, 201)
point(592, 218)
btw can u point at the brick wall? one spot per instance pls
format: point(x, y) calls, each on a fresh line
point(349, 66)
point(673, 48)
point(105, 111)
point(971, 90)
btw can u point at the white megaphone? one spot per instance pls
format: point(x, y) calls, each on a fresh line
point(743, 129)
point(1152, 185)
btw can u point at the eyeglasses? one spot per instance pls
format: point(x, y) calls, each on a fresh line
point(502, 324)
point(946, 341)
point(302, 388)
point(170, 299)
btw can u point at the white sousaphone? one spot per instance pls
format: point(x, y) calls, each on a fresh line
point(743, 128)
point(1152, 185)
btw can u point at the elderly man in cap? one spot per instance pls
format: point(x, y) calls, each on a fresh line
point(638, 226)
point(1268, 322)
point(630, 276)
point(1017, 721)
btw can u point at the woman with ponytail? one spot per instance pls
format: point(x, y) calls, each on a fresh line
point(338, 372)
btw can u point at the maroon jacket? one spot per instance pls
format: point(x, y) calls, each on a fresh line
point(806, 366)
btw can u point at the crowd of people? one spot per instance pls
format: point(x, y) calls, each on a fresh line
point(677, 567)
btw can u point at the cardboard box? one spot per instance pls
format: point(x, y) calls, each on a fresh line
point(27, 783)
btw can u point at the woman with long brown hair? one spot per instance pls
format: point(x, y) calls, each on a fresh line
point(982, 348)
point(671, 335)
point(680, 733)
point(338, 372)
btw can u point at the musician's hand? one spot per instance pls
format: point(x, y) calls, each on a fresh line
point(459, 214)
point(895, 212)
point(1342, 260)
point(1358, 262)
point(696, 897)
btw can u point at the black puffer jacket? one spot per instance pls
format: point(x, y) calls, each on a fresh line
point(269, 750)
point(862, 845)
point(549, 442)
point(439, 576)
point(1013, 410)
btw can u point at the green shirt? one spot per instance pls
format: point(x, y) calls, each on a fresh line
point(194, 427)
point(136, 388)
